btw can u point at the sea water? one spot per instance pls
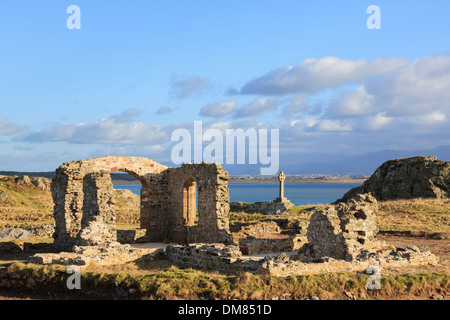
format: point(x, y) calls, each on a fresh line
point(298, 193)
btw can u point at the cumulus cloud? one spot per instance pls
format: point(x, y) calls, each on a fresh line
point(183, 88)
point(8, 128)
point(113, 130)
point(352, 103)
point(315, 75)
point(299, 103)
point(218, 109)
point(257, 107)
point(414, 96)
point(418, 87)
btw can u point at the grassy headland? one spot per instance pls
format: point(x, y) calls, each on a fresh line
point(422, 222)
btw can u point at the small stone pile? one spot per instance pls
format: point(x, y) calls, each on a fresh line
point(214, 256)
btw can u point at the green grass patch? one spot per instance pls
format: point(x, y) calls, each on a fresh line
point(177, 283)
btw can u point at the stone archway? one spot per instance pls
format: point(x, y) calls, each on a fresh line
point(83, 198)
point(83, 201)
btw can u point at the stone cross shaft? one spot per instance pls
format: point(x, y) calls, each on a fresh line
point(281, 178)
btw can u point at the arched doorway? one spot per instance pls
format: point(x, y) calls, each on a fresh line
point(127, 205)
point(83, 195)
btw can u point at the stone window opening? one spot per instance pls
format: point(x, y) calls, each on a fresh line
point(190, 202)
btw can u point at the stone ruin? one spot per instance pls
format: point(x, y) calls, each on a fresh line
point(341, 231)
point(84, 201)
point(338, 238)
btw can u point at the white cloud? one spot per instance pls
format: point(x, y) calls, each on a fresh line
point(434, 117)
point(352, 103)
point(333, 125)
point(218, 109)
point(315, 75)
point(414, 98)
point(298, 103)
point(257, 107)
point(8, 128)
point(419, 87)
point(113, 130)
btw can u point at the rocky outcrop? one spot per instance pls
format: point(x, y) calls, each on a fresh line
point(3, 196)
point(15, 233)
point(23, 234)
point(417, 177)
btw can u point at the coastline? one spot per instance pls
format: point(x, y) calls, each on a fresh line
point(270, 181)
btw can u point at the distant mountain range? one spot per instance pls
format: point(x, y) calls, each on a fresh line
point(338, 165)
point(362, 165)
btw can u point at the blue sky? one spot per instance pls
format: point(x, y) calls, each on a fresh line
point(139, 69)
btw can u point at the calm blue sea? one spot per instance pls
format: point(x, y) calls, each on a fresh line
point(298, 193)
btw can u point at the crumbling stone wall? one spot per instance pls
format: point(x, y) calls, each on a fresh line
point(211, 181)
point(98, 223)
point(341, 231)
point(229, 259)
point(84, 202)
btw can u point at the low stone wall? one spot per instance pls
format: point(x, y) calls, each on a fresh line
point(20, 246)
point(131, 235)
point(230, 259)
point(251, 245)
point(114, 253)
point(214, 256)
point(383, 258)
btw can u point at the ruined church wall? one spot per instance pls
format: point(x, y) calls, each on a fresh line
point(83, 201)
point(213, 204)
